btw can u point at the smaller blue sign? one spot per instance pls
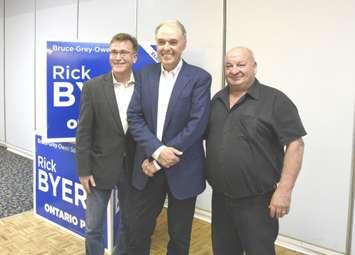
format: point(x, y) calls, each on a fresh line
point(59, 195)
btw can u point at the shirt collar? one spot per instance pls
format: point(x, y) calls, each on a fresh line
point(129, 83)
point(175, 71)
point(253, 91)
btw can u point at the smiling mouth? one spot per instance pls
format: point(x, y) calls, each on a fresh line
point(167, 54)
point(235, 77)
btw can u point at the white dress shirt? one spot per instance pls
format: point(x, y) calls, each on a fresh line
point(166, 85)
point(123, 93)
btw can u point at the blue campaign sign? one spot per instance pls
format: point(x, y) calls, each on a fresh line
point(59, 195)
point(116, 217)
point(69, 65)
point(147, 54)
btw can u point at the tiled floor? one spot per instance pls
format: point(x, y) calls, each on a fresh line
point(27, 234)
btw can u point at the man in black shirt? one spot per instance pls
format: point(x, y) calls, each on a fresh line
point(254, 155)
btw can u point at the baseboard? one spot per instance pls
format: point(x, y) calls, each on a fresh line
point(283, 241)
point(303, 247)
point(202, 214)
point(18, 151)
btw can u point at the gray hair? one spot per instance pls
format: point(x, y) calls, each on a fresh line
point(245, 49)
point(175, 22)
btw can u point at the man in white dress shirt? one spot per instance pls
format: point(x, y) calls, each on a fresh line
point(104, 147)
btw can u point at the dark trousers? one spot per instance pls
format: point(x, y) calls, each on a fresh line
point(145, 207)
point(243, 225)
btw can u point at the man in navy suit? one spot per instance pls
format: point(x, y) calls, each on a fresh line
point(167, 117)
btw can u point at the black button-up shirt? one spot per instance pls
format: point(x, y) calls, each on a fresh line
point(245, 144)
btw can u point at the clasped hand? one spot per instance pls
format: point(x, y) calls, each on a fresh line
point(149, 168)
point(169, 156)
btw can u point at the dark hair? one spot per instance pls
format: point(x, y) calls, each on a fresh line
point(125, 37)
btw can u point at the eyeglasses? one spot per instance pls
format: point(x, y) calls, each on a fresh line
point(121, 53)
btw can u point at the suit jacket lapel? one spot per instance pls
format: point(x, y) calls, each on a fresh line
point(111, 101)
point(181, 81)
point(154, 93)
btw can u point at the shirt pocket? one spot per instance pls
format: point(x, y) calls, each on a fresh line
point(246, 126)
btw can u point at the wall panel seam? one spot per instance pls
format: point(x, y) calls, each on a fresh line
point(136, 18)
point(224, 36)
point(350, 222)
point(35, 67)
point(4, 69)
point(77, 19)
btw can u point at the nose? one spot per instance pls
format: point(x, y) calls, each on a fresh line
point(234, 69)
point(118, 56)
point(166, 46)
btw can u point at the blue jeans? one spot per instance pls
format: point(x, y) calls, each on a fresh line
point(96, 205)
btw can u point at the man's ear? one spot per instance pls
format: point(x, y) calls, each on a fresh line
point(255, 68)
point(135, 58)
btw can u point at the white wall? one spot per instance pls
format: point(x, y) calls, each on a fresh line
point(2, 104)
point(306, 48)
point(19, 73)
point(100, 20)
point(55, 21)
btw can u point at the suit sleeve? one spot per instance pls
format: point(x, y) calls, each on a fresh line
point(84, 133)
point(198, 119)
point(137, 124)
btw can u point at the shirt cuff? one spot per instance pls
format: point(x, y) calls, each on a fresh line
point(157, 152)
point(157, 166)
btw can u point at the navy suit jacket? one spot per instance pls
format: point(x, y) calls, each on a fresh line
point(185, 123)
